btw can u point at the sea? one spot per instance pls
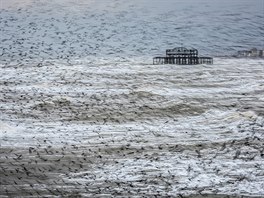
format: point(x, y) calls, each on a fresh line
point(59, 29)
point(85, 113)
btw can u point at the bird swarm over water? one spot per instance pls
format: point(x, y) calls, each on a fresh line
point(117, 131)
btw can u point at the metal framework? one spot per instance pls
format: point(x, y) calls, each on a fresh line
point(182, 56)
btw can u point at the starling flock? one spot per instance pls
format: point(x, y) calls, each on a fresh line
point(104, 127)
point(96, 132)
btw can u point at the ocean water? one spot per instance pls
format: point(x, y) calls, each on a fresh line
point(84, 113)
point(41, 29)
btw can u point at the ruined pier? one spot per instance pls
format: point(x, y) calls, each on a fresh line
point(182, 56)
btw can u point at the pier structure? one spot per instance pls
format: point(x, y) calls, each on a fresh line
point(182, 56)
point(253, 53)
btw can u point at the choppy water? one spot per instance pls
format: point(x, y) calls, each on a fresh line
point(83, 113)
point(58, 29)
point(127, 129)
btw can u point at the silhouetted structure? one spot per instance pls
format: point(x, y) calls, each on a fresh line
point(182, 56)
